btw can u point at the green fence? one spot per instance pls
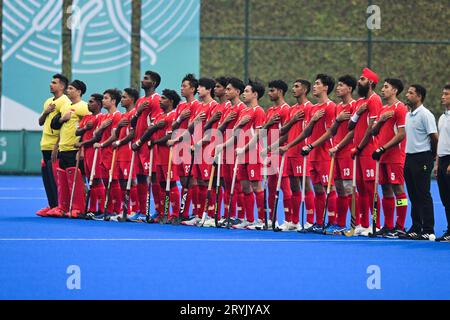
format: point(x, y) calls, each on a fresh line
point(20, 152)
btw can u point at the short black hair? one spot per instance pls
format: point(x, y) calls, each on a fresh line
point(223, 81)
point(447, 86)
point(279, 84)
point(396, 83)
point(172, 95)
point(349, 81)
point(306, 84)
point(208, 83)
point(326, 81)
point(133, 93)
point(61, 78)
point(193, 82)
point(154, 76)
point(237, 84)
point(115, 94)
point(79, 85)
point(257, 87)
point(420, 90)
point(97, 97)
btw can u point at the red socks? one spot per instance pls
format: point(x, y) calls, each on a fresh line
point(295, 203)
point(249, 202)
point(142, 190)
point(342, 204)
point(320, 206)
point(388, 209)
point(175, 201)
point(331, 213)
point(402, 207)
point(309, 206)
point(260, 205)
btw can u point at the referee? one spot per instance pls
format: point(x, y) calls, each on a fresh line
point(421, 144)
point(443, 161)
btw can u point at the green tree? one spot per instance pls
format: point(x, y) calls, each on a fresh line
point(66, 31)
point(135, 71)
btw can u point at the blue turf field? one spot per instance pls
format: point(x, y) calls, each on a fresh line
point(141, 261)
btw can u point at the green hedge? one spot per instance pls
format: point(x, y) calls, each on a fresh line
point(400, 20)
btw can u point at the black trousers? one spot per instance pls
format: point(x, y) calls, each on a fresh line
point(444, 185)
point(68, 159)
point(417, 172)
point(48, 179)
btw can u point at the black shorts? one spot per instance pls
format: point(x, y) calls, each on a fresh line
point(67, 159)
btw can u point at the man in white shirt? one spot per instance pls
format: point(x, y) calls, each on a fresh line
point(443, 159)
point(421, 143)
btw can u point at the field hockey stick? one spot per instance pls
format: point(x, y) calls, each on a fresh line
point(350, 232)
point(216, 205)
point(167, 195)
point(185, 190)
point(91, 180)
point(208, 195)
point(330, 178)
point(233, 182)
point(108, 190)
point(277, 194)
point(375, 201)
point(303, 193)
point(126, 200)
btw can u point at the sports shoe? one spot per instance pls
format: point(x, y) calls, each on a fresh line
point(210, 223)
point(56, 212)
point(411, 234)
point(243, 225)
point(330, 229)
point(445, 237)
point(89, 216)
point(136, 217)
point(365, 232)
point(256, 225)
point(98, 217)
point(296, 227)
point(43, 212)
point(114, 217)
point(309, 227)
point(285, 226)
point(358, 230)
point(77, 214)
point(317, 228)
point(394, 234)
point(339, 230)
point(192, 222)
point(381, 233)
point(427, 236)
point(304, 228)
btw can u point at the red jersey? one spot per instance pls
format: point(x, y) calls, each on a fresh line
point(219, 107)
point(297, 128)
point(227, 110)
point(124, 151)
point(148, 114)
point(283, 111)
point(321, 153)
point(342, 130)
point(257, 121)
point(193, 105)
point(373, 107)
point(199, 129)
point(389, 129)
point(115, 117)
point(162, 151)
point(89, 134)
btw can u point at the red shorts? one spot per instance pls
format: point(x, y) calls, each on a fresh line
point(122, 170)
point(201, 171)
point(295, 167)
point(320, 171)
point(105, 167)
point(89, 161)
point(227, 171)
point(391, 173)
point(183, 169)
point(365, 168)
point(250, 172)
point(274, 163)
point(343, 169)
point(161, 173)
point(142, 161)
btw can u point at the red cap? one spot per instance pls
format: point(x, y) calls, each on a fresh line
point(369, 74)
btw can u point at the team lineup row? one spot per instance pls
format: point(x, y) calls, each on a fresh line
point(325, 158)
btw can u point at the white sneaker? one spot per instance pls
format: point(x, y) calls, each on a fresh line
point(286, 226)
point(257, 225)
point(209, 223)
point(192, 222)
point(306, 226)
point(296, 227)
point(358, 230)
point(243, 225)
point(222, 221)
point(367, 231)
